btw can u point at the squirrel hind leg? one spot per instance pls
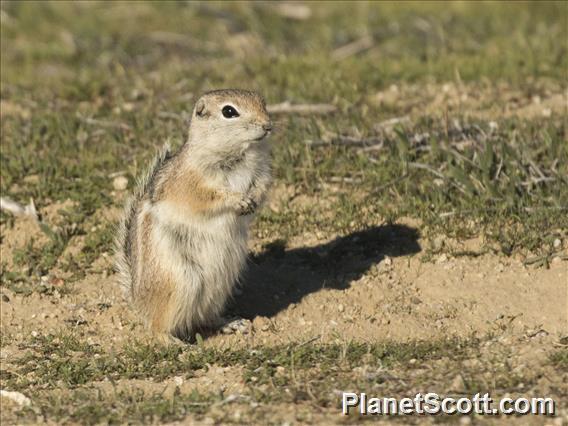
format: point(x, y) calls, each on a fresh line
point(157, 305)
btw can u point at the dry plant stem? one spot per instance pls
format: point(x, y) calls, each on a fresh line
point(288, 108)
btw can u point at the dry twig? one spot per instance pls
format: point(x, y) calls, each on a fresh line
point(288, 108)
point(353, 48)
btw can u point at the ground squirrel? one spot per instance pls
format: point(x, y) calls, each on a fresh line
point(182, 243)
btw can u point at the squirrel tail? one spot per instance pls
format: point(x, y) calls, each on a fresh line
point(124, 242)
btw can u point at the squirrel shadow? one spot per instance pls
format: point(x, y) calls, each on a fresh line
point(278, 277)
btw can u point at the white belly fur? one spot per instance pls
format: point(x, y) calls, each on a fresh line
point(217, 254)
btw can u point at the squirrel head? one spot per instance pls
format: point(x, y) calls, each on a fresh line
point(229, 120)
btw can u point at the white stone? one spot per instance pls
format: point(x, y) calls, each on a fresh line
point(120, 183)
point(17, 397)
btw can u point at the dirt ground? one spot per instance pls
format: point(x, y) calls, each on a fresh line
point(379, 290)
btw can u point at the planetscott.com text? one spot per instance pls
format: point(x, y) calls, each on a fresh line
point(432, 403)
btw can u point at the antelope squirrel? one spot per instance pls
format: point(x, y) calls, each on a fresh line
point(182, 243)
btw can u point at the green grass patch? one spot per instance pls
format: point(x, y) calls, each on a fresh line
point(65, 359)
point(90, 406)
point(75, 118)
point(560, 359)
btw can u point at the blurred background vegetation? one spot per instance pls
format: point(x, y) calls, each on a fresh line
point(452, 114)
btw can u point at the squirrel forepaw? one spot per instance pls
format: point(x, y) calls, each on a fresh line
point(247, 206)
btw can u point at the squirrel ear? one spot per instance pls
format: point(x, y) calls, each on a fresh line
point(200, 108)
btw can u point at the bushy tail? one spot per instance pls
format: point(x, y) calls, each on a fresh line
point(123, 243)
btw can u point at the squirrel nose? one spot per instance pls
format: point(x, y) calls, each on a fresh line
point(267, 127)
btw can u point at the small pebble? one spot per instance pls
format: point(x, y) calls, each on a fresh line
point(120, 183)
point(178, 380)
point(340, 308)
point(17, 397)
point(438, 243)
point(458, 384)
point(557, 243)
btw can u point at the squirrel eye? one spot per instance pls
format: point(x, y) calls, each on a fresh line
point(229, 112)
